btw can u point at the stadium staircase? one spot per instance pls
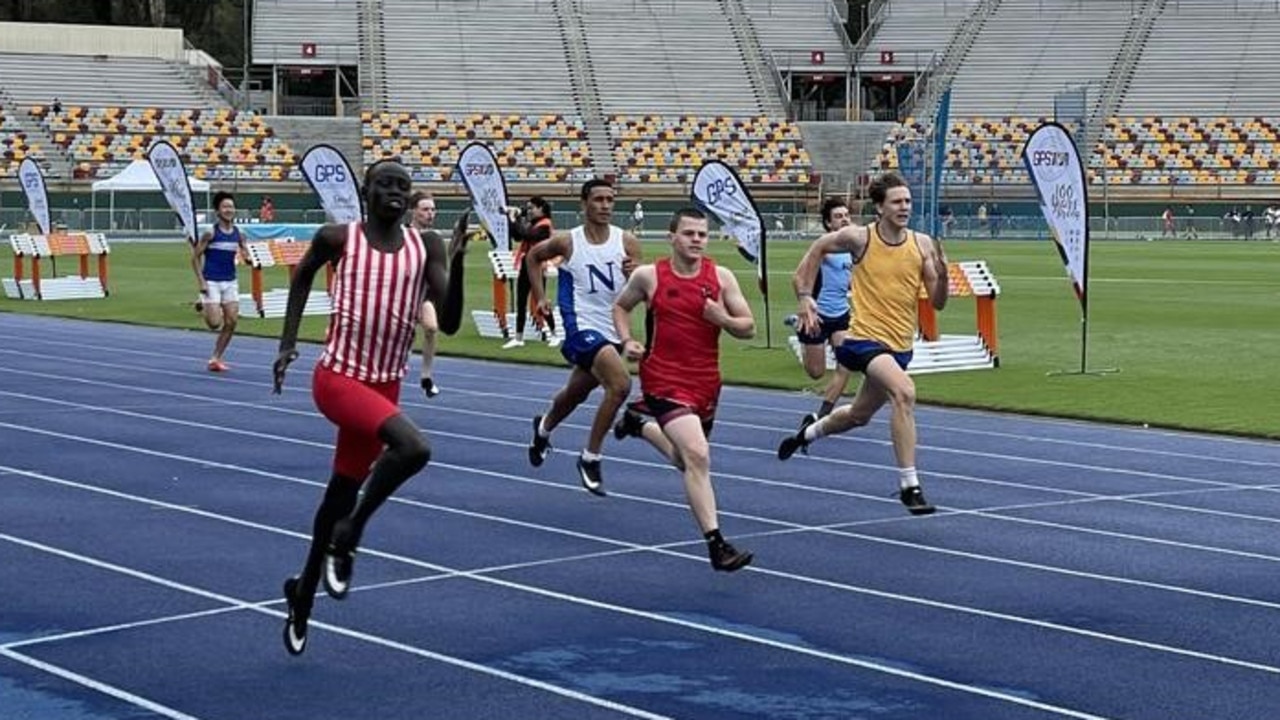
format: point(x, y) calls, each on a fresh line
point(302, 132)
point(925, 96)
point(373, 58)
point(1122, 69)
point(578, 57)
point(764, 78)
point(197, 78)
point(841, 151)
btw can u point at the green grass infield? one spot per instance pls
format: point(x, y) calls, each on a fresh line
point(1193, 327)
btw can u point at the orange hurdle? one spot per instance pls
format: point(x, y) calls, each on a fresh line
point(967, 279)
point(287, 253)
point(35, 248)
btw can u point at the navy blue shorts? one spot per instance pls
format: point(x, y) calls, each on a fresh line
point(856, 354)
point(581, 348)
point(827, 326)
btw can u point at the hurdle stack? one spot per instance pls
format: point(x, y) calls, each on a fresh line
point(287, 253)
point(33, 250)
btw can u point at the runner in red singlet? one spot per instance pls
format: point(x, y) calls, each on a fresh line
point(690, 300)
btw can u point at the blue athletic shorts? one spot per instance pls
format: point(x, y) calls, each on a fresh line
point(827, 326)
point(582, 347)
point(856, 354)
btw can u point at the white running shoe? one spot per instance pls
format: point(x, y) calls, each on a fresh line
point(513, 343)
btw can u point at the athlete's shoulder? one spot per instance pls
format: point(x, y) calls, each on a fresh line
point(332, 236)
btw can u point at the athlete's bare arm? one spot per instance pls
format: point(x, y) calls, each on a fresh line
point(639, 288)
point(325, 248)
point(850, 239)
point(197, 254)
point(934, 270)
point(558, 246)
point(731, 312)
point(444, 275)
point(634, 254)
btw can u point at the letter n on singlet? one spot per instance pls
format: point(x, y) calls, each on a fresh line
point(604, 276)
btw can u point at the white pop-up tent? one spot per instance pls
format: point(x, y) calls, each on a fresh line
point(138, 177)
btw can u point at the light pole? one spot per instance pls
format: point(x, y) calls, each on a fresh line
point(248, 45)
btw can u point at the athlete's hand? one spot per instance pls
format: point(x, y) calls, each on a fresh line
point(281, 366)
point(632, 349)
point(714, 312)
point(940, 257)
point(807, 315)
point(545, 309)
point(629, 264)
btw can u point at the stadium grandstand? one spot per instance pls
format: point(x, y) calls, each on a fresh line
point(647, 90)
point(1177, 94)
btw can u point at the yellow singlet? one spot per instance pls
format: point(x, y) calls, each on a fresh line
point(886, 285)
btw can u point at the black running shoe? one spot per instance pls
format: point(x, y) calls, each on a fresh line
point(295, 626)
point(589, 474)
point(913, 498)
point(727, 558)
point(792, 443)
point(339, 560)
point(539, 447)
point(629, 425)
point(809, 419)
point(430, 388)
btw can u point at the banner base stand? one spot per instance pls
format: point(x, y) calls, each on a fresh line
point(1098, 371)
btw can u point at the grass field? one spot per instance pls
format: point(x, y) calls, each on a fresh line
point(1194, 328)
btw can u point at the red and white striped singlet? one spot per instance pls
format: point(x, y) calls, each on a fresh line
point(377, 299)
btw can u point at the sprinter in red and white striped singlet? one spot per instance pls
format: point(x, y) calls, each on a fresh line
point(377, 297)
point(384, 272)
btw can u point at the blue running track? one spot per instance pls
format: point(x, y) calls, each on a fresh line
point(150, 510)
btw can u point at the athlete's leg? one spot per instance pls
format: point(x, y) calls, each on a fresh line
point(574, 393)
point(835, 389)
point(522, 301)
point(690, 444)
point(339, 500)
point(611, 373)
point(430, 335)
point(898, 386)
point(407, 451)
point(688, 436)
point(230, 316)
point(814, 357)
point(871, 397)
point(211, 309)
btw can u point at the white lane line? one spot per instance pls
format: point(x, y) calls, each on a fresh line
point(595, 604)
point(773, 408)
point(911, 599)
point(355, 634)
point(97, 685)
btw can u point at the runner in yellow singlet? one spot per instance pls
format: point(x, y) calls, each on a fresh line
point(891, 264)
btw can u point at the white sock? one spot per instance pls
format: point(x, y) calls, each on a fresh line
point(815, 430)
point(543, 432)
point(907, 478)
point(588, 456)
